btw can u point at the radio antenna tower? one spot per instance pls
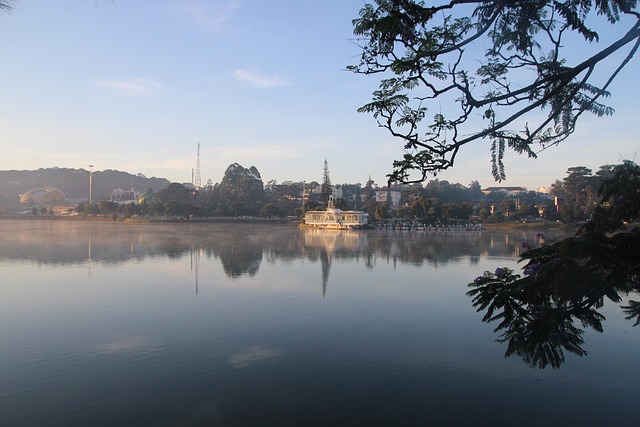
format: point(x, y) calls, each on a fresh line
point(198, 182)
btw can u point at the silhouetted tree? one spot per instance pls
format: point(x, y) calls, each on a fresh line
point(241, 191)
point(176, 193)
point(432, 99)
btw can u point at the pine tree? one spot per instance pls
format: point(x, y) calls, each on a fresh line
point(326, 182)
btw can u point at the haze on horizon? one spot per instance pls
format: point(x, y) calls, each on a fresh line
point(135, 86)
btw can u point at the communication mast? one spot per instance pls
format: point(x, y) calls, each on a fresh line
point(197, 181)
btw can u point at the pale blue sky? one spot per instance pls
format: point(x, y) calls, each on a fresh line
point(135, 85)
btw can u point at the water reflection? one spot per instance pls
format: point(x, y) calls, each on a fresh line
point(538, 321)
point(395, 341)
point(327, 243)
point(196, 254)
point(241, 248)
point(536, 325)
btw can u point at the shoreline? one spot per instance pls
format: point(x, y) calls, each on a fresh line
point(260, 220)
point(529, 226)
point(148, 220)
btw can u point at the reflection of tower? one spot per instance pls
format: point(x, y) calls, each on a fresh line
point(89, 254)
point(325, 259)
point(195, 263)
point(198, 181)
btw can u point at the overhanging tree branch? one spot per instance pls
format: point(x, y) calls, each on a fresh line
point(412, 45)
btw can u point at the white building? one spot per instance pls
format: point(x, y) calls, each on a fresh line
point(381, 196)
point(509, 191)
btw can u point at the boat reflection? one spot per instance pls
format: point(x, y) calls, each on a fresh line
point(328, 242)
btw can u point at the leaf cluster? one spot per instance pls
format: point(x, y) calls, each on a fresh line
point(427, 57)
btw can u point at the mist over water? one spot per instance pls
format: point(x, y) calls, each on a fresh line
point(248, 324)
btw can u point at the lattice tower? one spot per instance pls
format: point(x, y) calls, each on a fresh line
point(198, 181)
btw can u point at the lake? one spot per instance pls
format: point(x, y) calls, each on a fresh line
point(240, 324)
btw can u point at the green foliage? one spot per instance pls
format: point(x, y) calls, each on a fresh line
point(176, 193)
point(241, 191)
point(424, 53)
point(326, 182)
point(107, 207)
point(173, 208)
point(286, 197)
point(381, 212)
point(131, 209)
point(620, 200)
point(567, 281)
point(270, 211)
point(156, 208)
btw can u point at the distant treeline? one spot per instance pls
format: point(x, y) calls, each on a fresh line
point(243, 193)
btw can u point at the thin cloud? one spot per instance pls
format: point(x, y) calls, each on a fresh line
point(258, 80)
point(210, 16)
point(132, 87)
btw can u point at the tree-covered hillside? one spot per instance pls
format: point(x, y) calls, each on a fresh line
point(73, 182)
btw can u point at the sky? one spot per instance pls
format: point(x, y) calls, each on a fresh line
point(136, 85)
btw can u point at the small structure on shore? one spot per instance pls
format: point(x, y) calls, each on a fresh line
point(43, 195)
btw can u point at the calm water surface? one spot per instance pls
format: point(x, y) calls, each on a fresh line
point(120, 324)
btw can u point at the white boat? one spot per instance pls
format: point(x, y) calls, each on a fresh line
point(335, 219)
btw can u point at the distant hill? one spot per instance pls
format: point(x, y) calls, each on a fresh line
point(74, 182)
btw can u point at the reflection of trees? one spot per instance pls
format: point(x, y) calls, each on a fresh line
point(441, 248)
point(416, 249)
point(241, 247)
point(538, 322)
point(240, 257)
point(566, 282)
point(326, 267)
